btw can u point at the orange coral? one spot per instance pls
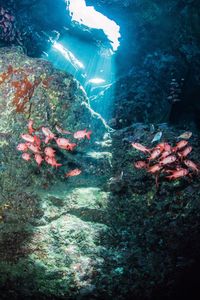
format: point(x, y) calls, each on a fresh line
point(24, 87)
point(6, 75)
point(24, 92)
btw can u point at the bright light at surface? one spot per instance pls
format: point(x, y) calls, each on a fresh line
point(68, 55)
point(96, 80)
point(88, 16)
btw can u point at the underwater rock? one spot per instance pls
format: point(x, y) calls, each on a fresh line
point(33, 219)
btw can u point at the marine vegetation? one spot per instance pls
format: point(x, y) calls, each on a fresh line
point(37, 146)
point(168, 160)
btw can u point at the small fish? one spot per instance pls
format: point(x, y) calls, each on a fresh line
point(50, 152)
point(65, 144)
point(180, 145)
point(157, 137)
point(22, 147)
point(27, 137)
point(33, 148)
point(168, 160)
point(178, 174)
point(26, 156)
point(191, 165)
point(38, 159)
point(185, 152)
point(140, 147)
point(60, 130)
point(74, 172)
point(81, 134)
point(186, 135)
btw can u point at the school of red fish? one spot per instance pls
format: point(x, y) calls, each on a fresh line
point(36, 145)
point(166, 159)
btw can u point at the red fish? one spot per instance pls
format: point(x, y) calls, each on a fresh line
point(49, 134)
point(62, 142)
point(30, 127)
point(178, 174)
point(191, 165)
point(140, 164)
point(154, 169)
point(167, 147)
point(65, 144)
point(37, 140)
point(52, 161)
point(50, 152)
point(140, 147)
point(27, 137)
point(155, 154)
point(38, 159)
point(33, 148)
point(26, 156)
point(165, 154)
point(168, 160)
point(180, 145)
point(185, 152)
point(81, 134)
point(74, 172)
point(22, 147)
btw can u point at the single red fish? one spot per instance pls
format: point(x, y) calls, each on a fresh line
point(178, 174)
point(168, 160)
point(140, 147)
point(180, 145)
point(81, 134)
point(22, 147)
point(33, 148)
point(185, 152)
point(27, 137)
point(191, 165)
point(62, 142)
point(38, 159)
point(50, 152)
point(65, 144)
point(74, 172)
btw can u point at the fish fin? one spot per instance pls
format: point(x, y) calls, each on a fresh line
point(88, 134)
